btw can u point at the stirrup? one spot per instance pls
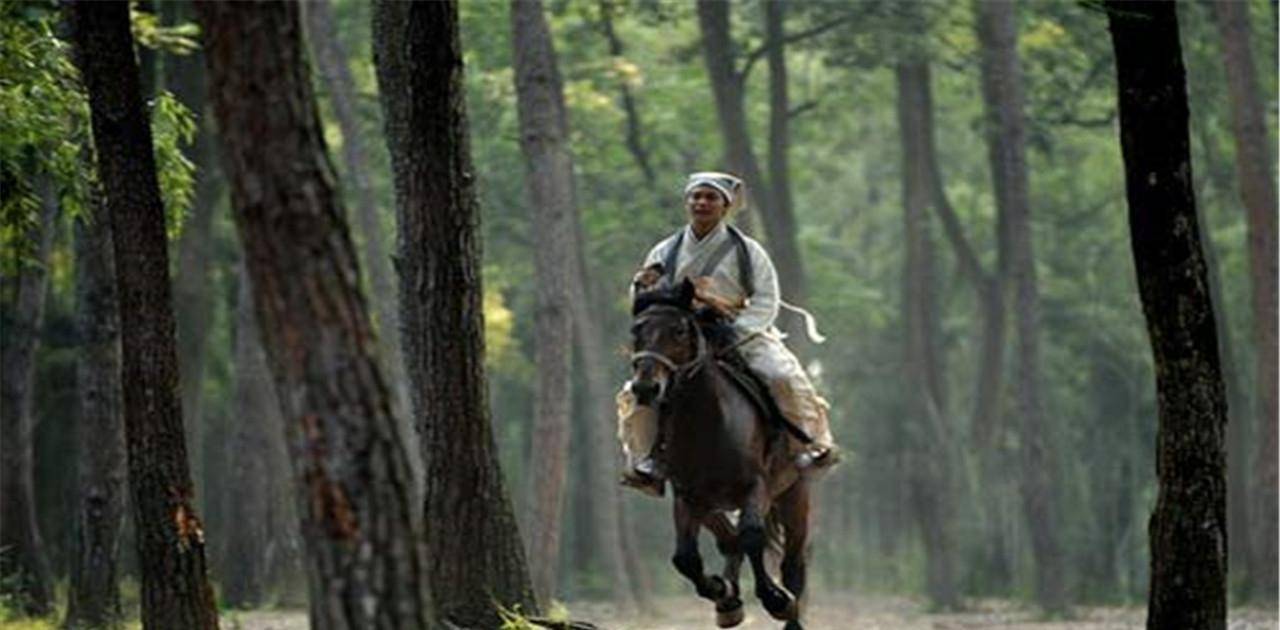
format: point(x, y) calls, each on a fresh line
point(650, 485)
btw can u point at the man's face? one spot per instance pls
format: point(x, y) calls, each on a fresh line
point(706, 208)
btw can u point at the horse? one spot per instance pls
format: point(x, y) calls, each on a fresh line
point(722, 454)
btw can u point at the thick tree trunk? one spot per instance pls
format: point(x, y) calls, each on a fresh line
point(1188, 527)
point(1257, 175)
point(331, 61)
point(184, 76)
point(781, 224)
point(94, 594)
point(24, 568)
point(930, 472)
point(419, 62)
point(171, 556)
point(256, 427)
point(364, 558)
point(1006, 141)
point(544, 140)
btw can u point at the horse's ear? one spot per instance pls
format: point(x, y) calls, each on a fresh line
point(687, 292)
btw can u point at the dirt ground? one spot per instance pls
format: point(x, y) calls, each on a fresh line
point(831, 612)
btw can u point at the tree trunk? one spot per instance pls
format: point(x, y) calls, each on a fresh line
point(418, 57)
point(728, 90)
point(544, 140)
point(171, 556)
point(1188, 527)
point(94, 594)
point(184, 76)
point(331, 61)
point(24, 567)
point(782, 223)
point(930, 472)
point(1006, 141)
point(353, 485)
point(1258, 191)
point(256, 426)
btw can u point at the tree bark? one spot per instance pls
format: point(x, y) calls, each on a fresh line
point(1256, 171)
point(23, 565)
point(364, 558)
point(418, 57)
point(331, 61)
point(931, 468)
point(184, 76)
point(1188, 527)
point(256, 427)
point(544, 140)
point(94, 594)
point(1006, 142)
point(171, 556)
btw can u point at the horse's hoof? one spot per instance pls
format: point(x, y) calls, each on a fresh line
point(729, 613)
point(793, 625)
point(780, 603)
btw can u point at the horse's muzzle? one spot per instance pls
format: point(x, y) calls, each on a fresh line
point(646, 391)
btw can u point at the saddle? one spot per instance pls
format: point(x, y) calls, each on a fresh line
point(721, 339)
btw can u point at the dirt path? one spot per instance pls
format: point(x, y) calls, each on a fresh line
point(832, 612)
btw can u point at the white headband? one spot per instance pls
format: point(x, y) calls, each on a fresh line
point(726, 184)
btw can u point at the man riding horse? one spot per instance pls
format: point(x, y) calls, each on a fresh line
point(734, 275)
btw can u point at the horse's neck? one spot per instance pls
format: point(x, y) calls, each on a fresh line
point(698, 411)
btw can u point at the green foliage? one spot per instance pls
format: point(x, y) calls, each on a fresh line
point(45, 129)
point(43, 122)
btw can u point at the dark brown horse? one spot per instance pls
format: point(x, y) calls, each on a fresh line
point(722, 455)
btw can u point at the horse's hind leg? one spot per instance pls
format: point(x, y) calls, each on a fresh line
point(754, 538)
point(729, 608)
point(792, 512)
point(687, 560)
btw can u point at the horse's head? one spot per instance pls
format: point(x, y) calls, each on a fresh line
point(666, 342)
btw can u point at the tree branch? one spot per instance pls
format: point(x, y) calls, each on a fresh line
point(759, 52)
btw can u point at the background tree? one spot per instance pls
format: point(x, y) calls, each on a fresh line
point(1188, 526)
point(364, 555)
point(1256, 172)
point(549, 179)
point(94, 593)
point(1006, 139)
point(418, 56)
point(930, 467)
point(175, 587)
point(23, 565)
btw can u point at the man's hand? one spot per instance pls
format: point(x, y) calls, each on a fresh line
point(646, 278)
point(704, 291)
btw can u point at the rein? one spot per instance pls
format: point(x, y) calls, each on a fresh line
point(679, 371)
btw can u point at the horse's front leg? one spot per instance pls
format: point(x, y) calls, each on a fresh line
point(687, 560)
point(729, 608)
point(754, 538)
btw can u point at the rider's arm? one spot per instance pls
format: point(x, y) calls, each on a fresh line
point(656, 255)
point(762, 308)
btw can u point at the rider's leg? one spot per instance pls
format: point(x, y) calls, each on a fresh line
point(638, 433)
point(795, 396)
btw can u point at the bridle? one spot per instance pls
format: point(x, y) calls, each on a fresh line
point(679, 371)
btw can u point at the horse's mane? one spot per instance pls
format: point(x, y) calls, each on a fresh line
point(714, 326)
point(679, 296)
